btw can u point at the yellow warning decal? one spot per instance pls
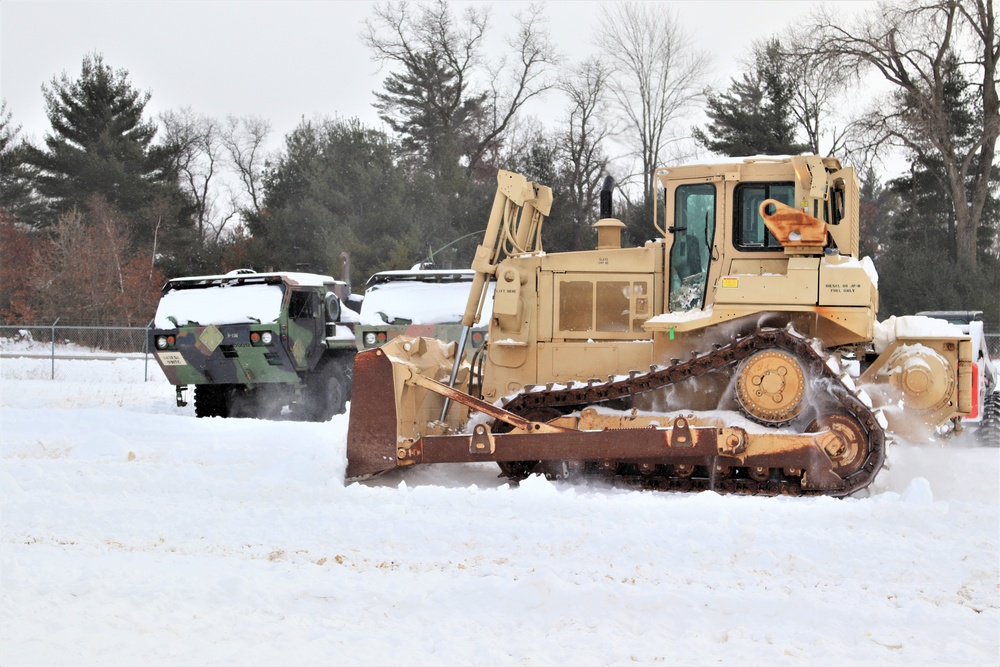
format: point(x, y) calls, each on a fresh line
point(730, 282)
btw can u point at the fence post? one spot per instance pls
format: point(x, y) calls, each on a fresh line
point(145, 352)
point(53, 339)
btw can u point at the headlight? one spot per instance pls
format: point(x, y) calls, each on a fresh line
point(161, 342)
point(266, 338)
point(370, 338)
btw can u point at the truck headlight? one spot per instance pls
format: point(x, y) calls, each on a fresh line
point(266, 338)
point(161, 342)
point(370, 338)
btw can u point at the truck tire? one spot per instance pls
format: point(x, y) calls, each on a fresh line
point(242, 403)
point(989, 429)
point(327, 390)
point(210, 401)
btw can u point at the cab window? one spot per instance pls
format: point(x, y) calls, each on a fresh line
point(691, 251)
point(749, 228)
point(303, 305)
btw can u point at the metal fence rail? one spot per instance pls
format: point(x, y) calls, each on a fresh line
point(76, 353)
point(45, 352)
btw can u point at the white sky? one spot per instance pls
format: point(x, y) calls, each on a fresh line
point(287, 60)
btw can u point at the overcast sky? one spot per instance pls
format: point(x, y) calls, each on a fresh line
point(287, 60)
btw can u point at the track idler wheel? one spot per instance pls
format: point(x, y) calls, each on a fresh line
point(847, 445)
point(770, 386)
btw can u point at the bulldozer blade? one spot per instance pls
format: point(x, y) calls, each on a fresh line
point(371, 433)
point(641, 445)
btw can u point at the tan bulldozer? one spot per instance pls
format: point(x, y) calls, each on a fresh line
point(737, 351)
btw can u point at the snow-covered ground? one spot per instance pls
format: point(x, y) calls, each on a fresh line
point(133, 533)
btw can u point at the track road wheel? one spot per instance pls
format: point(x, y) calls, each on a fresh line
point(770, 386)
point(847, 446)
point(515, 471)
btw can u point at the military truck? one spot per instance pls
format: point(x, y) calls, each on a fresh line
point(262, 345)
point(419, 302)
point(737, 351)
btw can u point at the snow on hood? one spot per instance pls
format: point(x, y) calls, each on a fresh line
point(912, 326)
point(235, 304)
point(421, 303)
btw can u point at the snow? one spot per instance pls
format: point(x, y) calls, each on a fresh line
point(133, 533)
point(421, 303)
point(912, 326)
point(295, 277)
point(834, 262)
point(219, 305)
point(680, 317)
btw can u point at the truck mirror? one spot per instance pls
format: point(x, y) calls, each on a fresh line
point(332, 307)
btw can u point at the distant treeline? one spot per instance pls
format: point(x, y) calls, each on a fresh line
point(114, 202)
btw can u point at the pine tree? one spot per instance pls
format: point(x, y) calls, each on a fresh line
point(754, 116)
point(101, 149)
point(18, 200)
point(432, 113)
point(335, 187)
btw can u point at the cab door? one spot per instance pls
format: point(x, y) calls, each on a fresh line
point(694, 207)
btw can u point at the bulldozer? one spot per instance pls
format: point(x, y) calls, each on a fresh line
point(736, 351)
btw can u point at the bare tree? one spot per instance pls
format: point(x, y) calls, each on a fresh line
point(445, 99)
point(587, 128)
point(198, 150)
point(657, 76)
point(818, 92)
point(245, 139)
point(219, 166)
point(912, 45)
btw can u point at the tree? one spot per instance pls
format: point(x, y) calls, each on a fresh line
point(87, 273)
point(17, 267)
point(918, 258)
point(656, 76)
point(450, 107)
point(18, 200)
point(336, 187)
point(582, 142)
point(244, 139)
point(754, 117)
point(101, 146)
point(818, 91)
point(198, 153)
point(912, 45)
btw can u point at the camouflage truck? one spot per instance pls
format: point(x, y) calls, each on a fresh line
point(257, 344)
point(420, 303)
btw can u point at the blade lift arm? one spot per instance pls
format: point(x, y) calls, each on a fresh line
point(514, 227)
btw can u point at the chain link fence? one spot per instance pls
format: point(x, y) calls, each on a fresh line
point(993, 343)
point(77, 354)
point(115, 354)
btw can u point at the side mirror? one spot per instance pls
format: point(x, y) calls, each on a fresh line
point(332, 307)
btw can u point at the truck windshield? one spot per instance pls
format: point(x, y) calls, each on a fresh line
point(220, 304)
point(694, 222)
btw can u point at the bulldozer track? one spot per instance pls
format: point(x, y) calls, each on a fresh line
point(575, 396)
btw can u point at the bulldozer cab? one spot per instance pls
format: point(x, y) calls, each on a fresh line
point(756, 217)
